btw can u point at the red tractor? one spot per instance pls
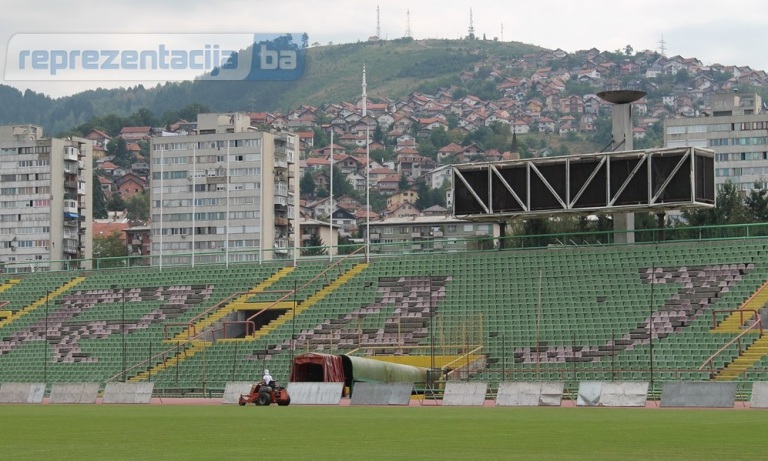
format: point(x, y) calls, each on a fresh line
point(263, 395)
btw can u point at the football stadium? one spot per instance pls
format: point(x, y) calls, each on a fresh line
point(636, 319)
point(546, 326)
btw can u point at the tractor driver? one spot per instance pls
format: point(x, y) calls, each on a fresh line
point(267, 379)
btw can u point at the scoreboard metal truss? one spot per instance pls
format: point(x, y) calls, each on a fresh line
point(631, 181)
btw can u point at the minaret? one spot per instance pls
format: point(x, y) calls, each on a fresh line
point(408, 23)
point(471, 34)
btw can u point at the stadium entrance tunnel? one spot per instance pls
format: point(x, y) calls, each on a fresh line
point(264, 318)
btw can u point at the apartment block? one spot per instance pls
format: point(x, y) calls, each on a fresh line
point(430, 233)
point(228, 193)
point(737, 130)
point(45, 201)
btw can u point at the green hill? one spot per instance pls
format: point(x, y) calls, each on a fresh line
point(333, 74)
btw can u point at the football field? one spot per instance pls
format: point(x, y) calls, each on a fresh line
point(213, 432)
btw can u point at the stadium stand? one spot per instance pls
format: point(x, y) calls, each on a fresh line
point(651, 312)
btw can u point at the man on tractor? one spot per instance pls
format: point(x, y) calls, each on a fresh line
point(267, 379)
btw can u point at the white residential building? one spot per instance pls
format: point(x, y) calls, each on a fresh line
point(45, 201)
point(738, 133)
point(226, 194)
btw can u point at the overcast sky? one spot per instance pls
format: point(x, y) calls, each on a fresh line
point(713, 31)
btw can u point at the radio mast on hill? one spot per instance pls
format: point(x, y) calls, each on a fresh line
point(378, 24)
point(408, 23)
point(663, 47)
point(471, 33)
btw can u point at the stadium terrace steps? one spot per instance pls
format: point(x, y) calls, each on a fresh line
point(41, 301)
point(195, 347)
point(734, 322)
point(310, 301)
point(745, 361)
point(234, 305)
point(8, 284)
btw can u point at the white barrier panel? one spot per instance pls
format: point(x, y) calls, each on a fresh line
point(759, 395)
point(381, 394)
point(551, 393)
point(704, 395)
point(234, 390)
point(613, 393)
point(589, 393)
point(529, 394)
point(22, 392)
point(464, 394)
point(130, 393)
point(74, 393)
point(315, 393)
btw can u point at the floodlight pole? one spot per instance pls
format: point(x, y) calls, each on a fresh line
point(650, 326)
point(431, 329)
point(123, 331)
point(45, 349)
point(293, 319)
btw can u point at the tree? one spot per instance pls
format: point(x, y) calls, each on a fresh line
point(138, 207)
point(116, 203)
point(99, 202)
point(314, 246)
point(307, 184)
point(110, 246)
point(378, 134)
point(340, 184)
point(118, 150)
point(439, 137)
point(347, 245)
point(730, 209)
point(757, 203)
point(402, 183)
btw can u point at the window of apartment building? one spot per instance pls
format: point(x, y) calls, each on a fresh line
point(675, 130)
point(750, 141)
point(8, 177)
point(451, 227)
point(242, 200)
point(697, 129)
point(7, 191)
point(389, 230)
point(404, 229)
point(721, 157)
point(245, 171)
point(241, 215)
point(468, 227)
point(718, 142)
point(8, 151)
point(179, 217)
point(719, 127)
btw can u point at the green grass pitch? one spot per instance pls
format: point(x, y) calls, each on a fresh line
point(213, 432)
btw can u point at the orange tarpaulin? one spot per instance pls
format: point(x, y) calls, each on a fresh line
point(321, 368)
